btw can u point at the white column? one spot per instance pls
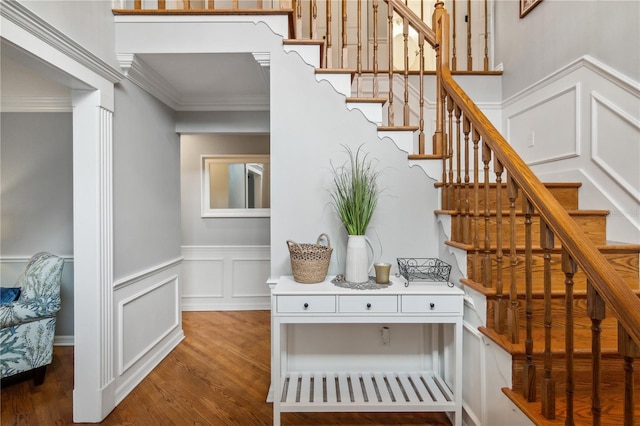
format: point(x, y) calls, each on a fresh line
point(94, 393)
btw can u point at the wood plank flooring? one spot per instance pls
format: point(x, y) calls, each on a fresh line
point(218, 375)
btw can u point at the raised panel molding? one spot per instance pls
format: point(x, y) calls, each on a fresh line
point(139, 306)
point(526, 121)
point(625, 171)
point(225, 278)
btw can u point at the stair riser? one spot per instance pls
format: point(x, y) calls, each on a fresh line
point(567, 196)
point(626, 264)
point(594, 226)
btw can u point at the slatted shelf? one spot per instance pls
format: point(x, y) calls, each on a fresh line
point(365, 391)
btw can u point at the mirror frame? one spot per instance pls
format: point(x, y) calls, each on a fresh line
point(205, 202)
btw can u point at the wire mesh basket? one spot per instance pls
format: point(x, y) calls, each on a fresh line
point(423, 269)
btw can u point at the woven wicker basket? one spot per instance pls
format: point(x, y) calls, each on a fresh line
point(310, 262)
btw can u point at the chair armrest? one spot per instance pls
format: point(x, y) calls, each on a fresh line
point(23, 311)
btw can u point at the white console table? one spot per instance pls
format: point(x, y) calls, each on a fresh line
point(366, 391)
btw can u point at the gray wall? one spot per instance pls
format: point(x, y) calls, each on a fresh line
point(557, 32)
point(197, 231)
point(146, 182)
point(36, 197)
point(89, 23)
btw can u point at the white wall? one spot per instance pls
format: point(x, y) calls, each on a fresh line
point(558, 32)
point(36, 198)
point(89, 23)
point(147, 256)
point(226, 260)
point(572, 100)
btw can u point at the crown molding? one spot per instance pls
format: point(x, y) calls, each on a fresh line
point(141, 74)
point(35, 104)
point(21, 16)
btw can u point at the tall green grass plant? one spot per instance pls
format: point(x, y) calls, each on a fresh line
point(355, 193)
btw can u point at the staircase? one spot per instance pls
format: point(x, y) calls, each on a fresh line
point(485, 230)
point(624, 258)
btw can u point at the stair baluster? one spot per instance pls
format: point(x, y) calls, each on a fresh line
point(548, 383)
point(405, 35)
point(466, 238)
point(313, 17)
point(486, 258)
point(477, 273)
point(569, 267)
point(500, 310)
point(512, 316)
point(359, 52)
point(390, 119)
point(421, 139)
point(329, 50)
point(458, 187)
point(449, 154)
point(629, 350)
point(529, 370)
point(344, 57)
point(597, 312)
point(376, 85)
point(299, 20)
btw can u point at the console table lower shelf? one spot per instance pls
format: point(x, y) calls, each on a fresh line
point(393, 387)
point(413, 391)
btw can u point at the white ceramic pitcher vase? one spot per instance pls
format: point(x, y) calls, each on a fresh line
point(357, 264)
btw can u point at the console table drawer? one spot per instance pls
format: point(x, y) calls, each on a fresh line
point(431, 304)
point(298, 304)
point(368, 304)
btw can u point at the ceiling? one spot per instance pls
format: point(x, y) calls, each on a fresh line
point(183, 81)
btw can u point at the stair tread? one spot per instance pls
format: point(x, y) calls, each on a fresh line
point(505, 213)
point(336, 70)
point(545, 184)
point(398, 128)
point(425, 157)
point(367, 100)
point(295, 41)
point(609, 248)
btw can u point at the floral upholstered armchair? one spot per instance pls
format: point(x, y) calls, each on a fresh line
point(28, 324)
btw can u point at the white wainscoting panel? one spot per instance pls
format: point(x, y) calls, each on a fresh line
point(547, 130)
point(609, 121)
point(219, 278)
point(155, 307)
point(148, 322)
point(584, 120)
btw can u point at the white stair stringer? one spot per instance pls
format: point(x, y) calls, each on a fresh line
point(371, 110)
point(309, 53)
point(404, 139)
point(432, 168)
point(341, 82)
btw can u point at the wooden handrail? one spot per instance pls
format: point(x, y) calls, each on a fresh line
point(622, 301)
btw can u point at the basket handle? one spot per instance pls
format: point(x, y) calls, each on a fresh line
point(326, 237)
point(290, 243)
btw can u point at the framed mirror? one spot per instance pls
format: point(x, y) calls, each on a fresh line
point(235, 186)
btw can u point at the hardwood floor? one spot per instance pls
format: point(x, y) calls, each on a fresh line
point(218, 375)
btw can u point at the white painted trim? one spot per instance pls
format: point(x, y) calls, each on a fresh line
point(68, 258)
point(201, 305)
point(123, 390)
point(35, 104)
point(586, 61)
point(190, 252)
point(576, 150)
point(63, 341)
point(256, 259)
point(473, 331)
point(596, 99)
point(130, 279)
point(122, 368)
point(38, 27)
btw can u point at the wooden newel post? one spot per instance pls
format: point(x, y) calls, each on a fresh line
point(629, 350)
